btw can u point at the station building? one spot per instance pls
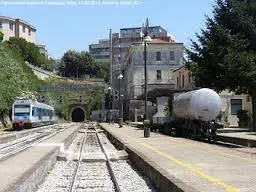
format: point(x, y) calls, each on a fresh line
point(231, 102)
point(163, 57)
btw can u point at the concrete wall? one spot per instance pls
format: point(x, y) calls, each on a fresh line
point(42, 74)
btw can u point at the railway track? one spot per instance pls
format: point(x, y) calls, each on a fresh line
point(11, 148)
point(93, 176)
point(88, 168)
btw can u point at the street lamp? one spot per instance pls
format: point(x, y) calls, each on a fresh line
point(109, 103)
point(120, 77)
point(146, 39)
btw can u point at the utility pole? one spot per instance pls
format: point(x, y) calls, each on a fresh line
point(146, 39)
point(111, 58)
point(111, 64)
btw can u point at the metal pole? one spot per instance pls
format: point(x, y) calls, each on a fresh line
point(120, 98)
point(109, 105)
point(146, 121)
point(111, 57)
point(122, 109)
point(111, 63)
point(145, 83)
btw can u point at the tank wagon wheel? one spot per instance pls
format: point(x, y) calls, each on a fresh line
point(212, 138)
point(172, 132)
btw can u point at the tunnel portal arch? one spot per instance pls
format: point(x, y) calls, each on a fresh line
point(77, 114)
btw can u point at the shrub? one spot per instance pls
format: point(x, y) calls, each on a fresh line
point(243, 117)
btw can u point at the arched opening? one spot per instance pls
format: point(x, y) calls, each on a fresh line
point(78, 115)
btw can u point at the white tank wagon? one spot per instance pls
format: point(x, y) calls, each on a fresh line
point(195, 113)
point(203, 104)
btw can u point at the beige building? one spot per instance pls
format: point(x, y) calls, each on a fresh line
point(183, 78)
point(231, 102)
point(162, 58)
point(12, 27)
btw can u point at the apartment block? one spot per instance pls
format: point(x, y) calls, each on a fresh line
point(12, 27)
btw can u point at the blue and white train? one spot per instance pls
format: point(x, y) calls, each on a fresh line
point(29, 113)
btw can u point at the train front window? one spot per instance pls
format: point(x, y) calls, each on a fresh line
point(20, 110)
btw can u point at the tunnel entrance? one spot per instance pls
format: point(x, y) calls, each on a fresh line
point(78, 115)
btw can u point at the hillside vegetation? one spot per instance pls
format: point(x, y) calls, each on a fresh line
point(15, 78)
point(30, 53)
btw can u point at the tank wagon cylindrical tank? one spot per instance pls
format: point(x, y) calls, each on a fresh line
point(194, 113)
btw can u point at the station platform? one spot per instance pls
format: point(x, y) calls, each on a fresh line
point(233, 130)
point(24, 171)
point(247, 139)
point(188, 165)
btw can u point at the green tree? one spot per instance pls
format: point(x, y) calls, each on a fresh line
point(75, 64)
point(69, 64)
point(103, 70)
point(30, 53)
point(224, 56)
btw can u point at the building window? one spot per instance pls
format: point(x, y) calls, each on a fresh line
point(172, 55)
point(11, 26)
point(158, 74)
point(1, 25)
point(189, 77)
point(236, 105)
point(29, 32)
point(158, 56)
point(24, 29)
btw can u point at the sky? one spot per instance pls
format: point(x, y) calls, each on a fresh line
point(63, 25)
